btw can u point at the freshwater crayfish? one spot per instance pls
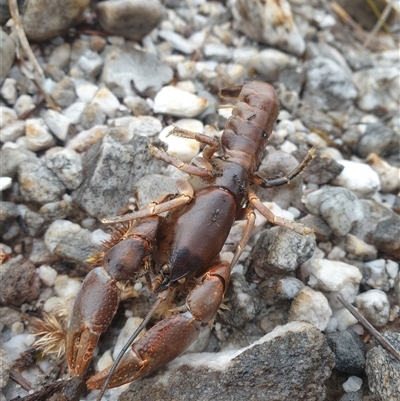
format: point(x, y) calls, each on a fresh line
point(181, 250)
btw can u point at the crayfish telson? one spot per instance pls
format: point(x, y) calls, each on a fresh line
point(184, 246)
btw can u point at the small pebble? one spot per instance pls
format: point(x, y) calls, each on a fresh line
point(12, 131)
point(176, 102)
point(48, 275)
point(104, 361)
point(5, 183)
point(107, 101)
point(74, 112)
point(86, 91)
point(24, 104)
point(359, 178)
point(9, 91)
point(182, 148)
point(37, 135)
point(57, 123)
point(352, 384)
point(7, 115)
point(310, 306)
point(375, 307)
point(339, 207)
point(145, 126)
point(332, 278)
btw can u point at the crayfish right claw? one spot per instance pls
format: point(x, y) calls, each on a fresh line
point(94, 309)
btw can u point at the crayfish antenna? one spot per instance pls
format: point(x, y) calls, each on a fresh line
point(161, 297)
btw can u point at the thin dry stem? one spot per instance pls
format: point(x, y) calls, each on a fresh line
point(379, 24)
point(357, 29)
point(378, 336)
point(13, 6)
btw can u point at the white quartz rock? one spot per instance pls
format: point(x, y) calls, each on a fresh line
point(74, 112)
point(57, 123)
point(37, 135)
point(24, 104)
point(310, 306)
point(86, 91)
point(182, 148)
point(6, 115)
point(332, 278)
point(176, 102)
point(5, 183)
point(339, 207)
point(375, 307)
point(358, 178)
point(12, 131)
point(352, 384)
point(107, 101)
point(48, 275)
point(341, 319)
point(9, 90)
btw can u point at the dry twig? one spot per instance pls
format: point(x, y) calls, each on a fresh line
point(357, 30)
point(13, 6)
point(381, 22)
point(378, 336)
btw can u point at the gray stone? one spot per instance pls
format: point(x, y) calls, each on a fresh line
point(278, 164)
point(387, 236)
point(7, 53)
point(152, 187)
point(92, 115)
point(4, 368)
point(374, 213)
point(383, 370)
point(292, 362)
point(280, 251)
point(54, 72)
point(321, 169)
point(12, 158)
point(133, 19)
point(113, 166)
point(322, 230)
point(349, 351)
point(339, 207)
point(20, 284)
point(269, 22)
point(328, 87)
point(69, 241)
point(243, 303)
point(60, 56)
point(377, 139)
point(38, 183)
point(8, 213)
point(124, 65)
point(43, 20)
point(64, 93)
point(55, 210)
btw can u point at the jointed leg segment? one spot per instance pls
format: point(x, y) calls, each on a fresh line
point(279, 221)
point(185, 191)
point(277, 182)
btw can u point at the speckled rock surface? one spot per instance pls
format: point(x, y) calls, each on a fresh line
point(383, 370)
point(243, 374)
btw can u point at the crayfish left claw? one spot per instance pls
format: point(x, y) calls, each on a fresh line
point(94, 309)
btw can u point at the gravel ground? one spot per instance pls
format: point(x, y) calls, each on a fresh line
point(74, 134)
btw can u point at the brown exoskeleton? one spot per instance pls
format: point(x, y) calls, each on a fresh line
point(184, 246)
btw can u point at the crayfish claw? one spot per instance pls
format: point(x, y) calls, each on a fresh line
point(94, 309)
